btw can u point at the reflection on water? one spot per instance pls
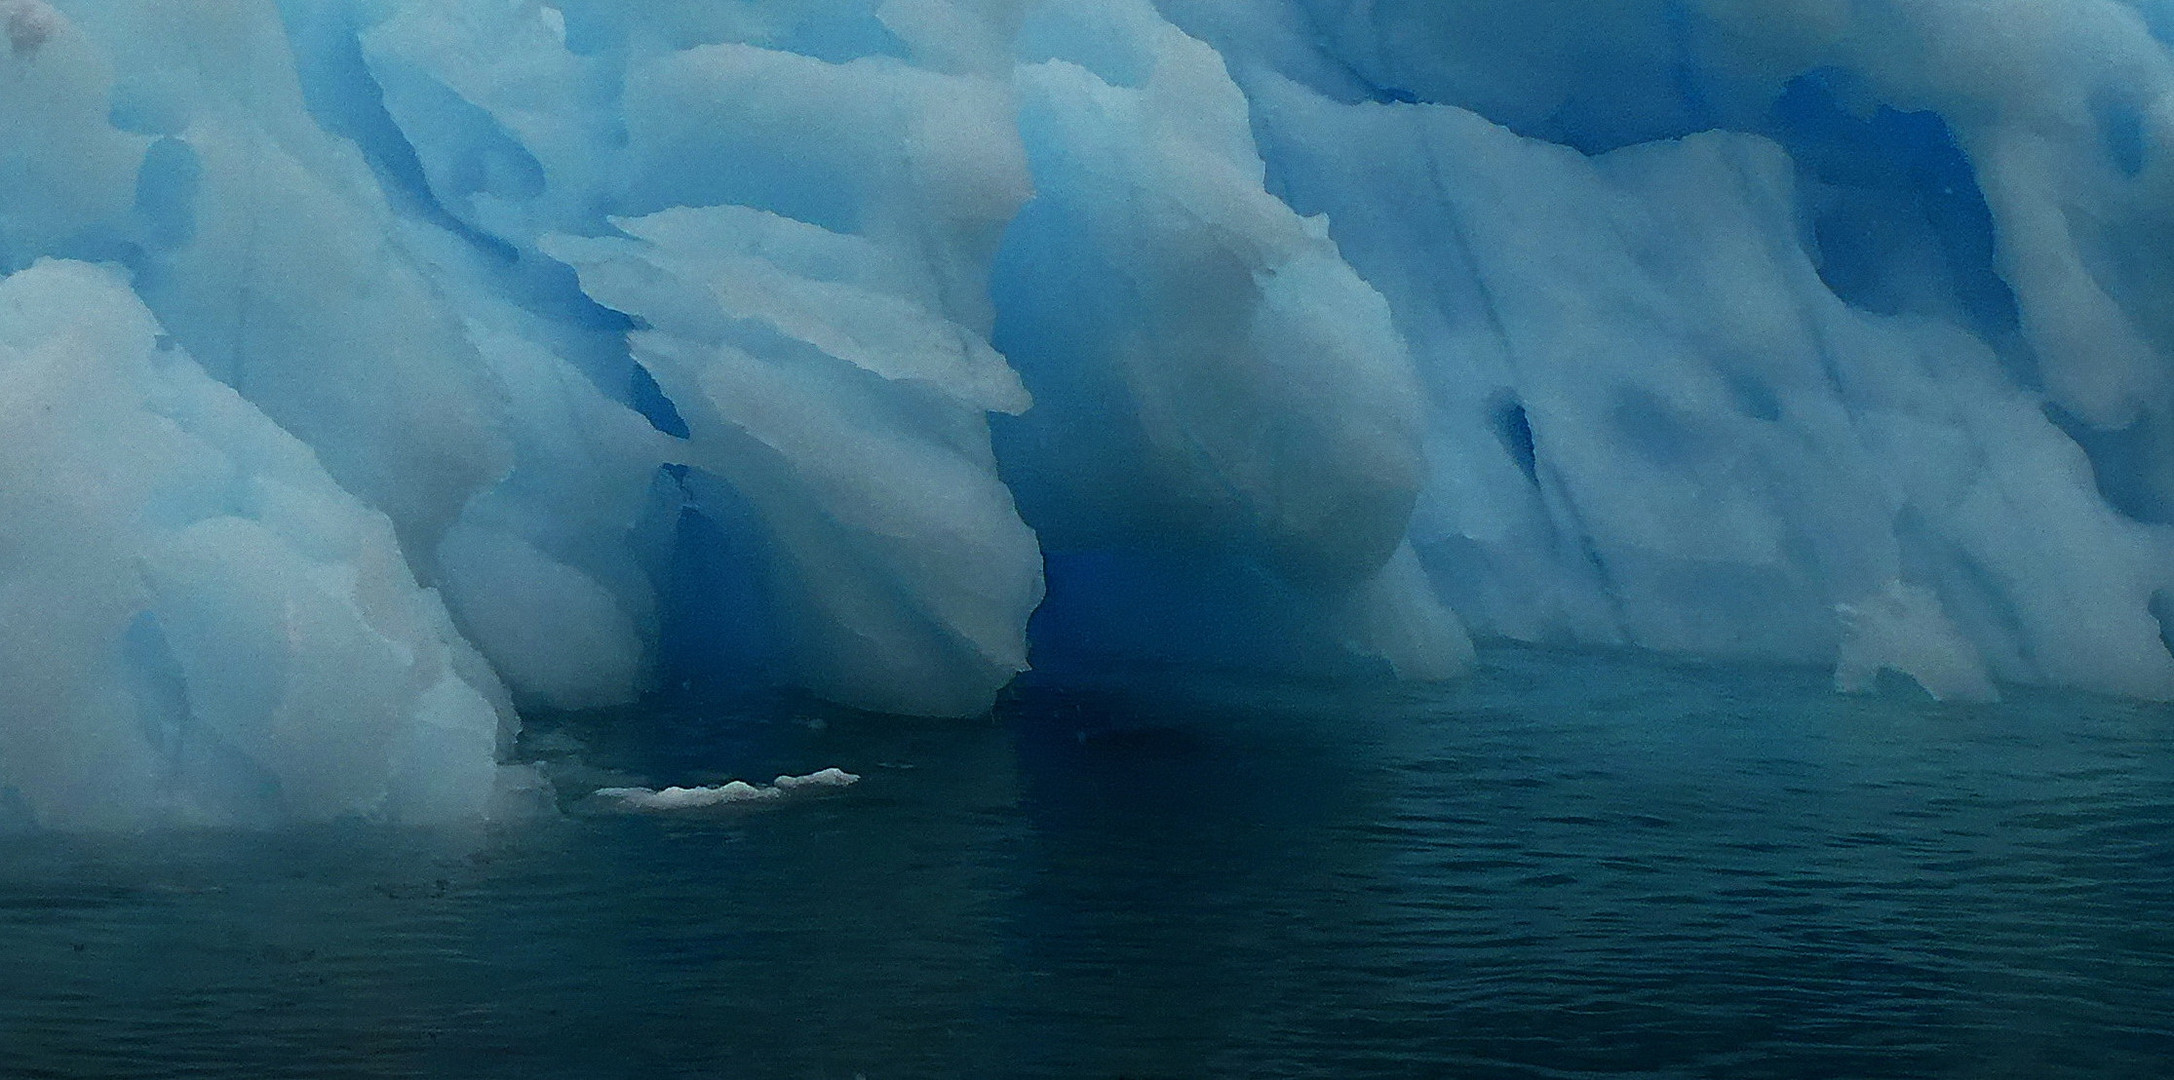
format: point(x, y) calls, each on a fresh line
point(1569, 866)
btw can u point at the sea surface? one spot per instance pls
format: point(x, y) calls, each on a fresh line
point(1569, 865)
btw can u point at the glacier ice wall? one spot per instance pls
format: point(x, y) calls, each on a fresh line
point(375, 367)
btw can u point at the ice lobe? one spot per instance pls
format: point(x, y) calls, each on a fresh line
point(197, 624)
point(1217, 389)
point(541, 570)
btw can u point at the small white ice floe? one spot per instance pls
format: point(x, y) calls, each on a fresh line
point(738, 791)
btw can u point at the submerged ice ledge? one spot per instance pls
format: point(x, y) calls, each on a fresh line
point(372, 368)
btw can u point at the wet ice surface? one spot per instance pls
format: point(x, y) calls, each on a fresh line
point(1572, 865)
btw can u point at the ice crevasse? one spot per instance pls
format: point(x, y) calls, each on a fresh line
point(374, 369)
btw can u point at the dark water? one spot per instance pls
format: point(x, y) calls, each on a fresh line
point(1569, 866)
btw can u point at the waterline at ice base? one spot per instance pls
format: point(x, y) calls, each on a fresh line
point(376, 372)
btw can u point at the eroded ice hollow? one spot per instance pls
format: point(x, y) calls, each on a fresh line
point(370, 369)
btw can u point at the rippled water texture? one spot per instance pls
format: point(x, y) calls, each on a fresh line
point(1569, 866)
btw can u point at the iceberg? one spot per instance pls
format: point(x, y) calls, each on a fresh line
point(375, 370)
point(730, 793)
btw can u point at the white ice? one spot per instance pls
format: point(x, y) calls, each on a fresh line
point(726, 794)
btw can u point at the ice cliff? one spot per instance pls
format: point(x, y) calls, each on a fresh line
point(372, 368)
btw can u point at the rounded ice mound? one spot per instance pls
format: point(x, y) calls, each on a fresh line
point(197, 626)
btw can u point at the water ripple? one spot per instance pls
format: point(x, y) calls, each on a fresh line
point(1570, 866)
